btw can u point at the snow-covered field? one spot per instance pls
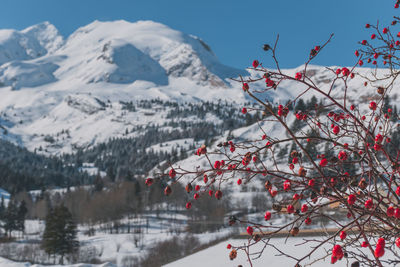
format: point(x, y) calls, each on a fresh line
point(218, 255)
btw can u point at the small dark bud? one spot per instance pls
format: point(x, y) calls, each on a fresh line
point(267, 47)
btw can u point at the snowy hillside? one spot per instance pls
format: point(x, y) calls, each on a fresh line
point(61, 95)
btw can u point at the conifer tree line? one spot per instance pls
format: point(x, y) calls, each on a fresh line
point(12, 217)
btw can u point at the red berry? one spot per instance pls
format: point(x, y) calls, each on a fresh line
point(357, 53)
point(364, 42)
point(298, 76)
point(210, 193)
point(167, 190)
point(218, 194)
point(398, 242)
point(188, 205)
point(291, 166)
point(196, 196)
point(307, 221)
point(342, 155)
point(295, 160)
point(290, 209)
point(286, 185)
point(323, 162)
point(304, 208)
point(239, 181)
point(385, 30)
point(337, 252)
point(205, 178)
point(345, 71)
point(367, 25)
point(398, 191)
point(369, 204)
point(373, 36)
point(311, 183)
point(379, 251)
point(364, 244)
point(273, 192)
point(172, 173)
point(244, 110)
point(372, 105)
point(255, 63)
point(390, 211)
point(267, 216)
point(149, 181)
point(296, 196)
point(336, 129)
point(245, 87)
point(342, 235)
point(351, 199)
point(397, 213)
point(217, 164)
point(229, 246)
point(250, 230)
point(396, 5)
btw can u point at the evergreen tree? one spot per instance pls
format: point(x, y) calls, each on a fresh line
point(21, 214)
point(300, 106)
point(59, 236)
point(2, 208)
point(10, 218)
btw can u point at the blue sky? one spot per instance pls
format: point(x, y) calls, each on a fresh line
point(235, 30)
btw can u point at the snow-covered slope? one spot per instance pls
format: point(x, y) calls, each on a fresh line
point(61, 95)
point(72, 89)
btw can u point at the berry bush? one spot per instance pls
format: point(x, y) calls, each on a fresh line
point(350, 179)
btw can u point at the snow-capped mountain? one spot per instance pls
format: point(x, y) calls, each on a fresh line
point(59, 95)
point(51, 86)
point(113, 52)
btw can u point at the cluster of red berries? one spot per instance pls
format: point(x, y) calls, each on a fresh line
point(283, 111)
point(337, 117)
point(269, 82)
point(345, 72)
point(201, 150)
point(301, 116)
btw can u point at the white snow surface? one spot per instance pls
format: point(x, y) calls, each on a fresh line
point(60, 95)
point(218, 255)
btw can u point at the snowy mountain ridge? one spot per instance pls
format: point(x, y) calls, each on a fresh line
point(60, 95)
